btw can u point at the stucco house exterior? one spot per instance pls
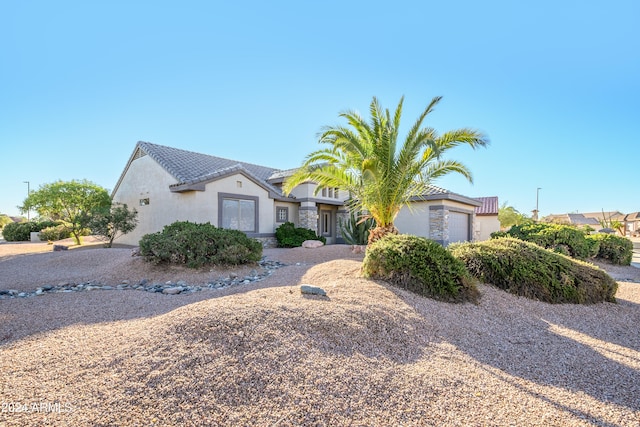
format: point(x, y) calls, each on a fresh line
point(630, 222)
point(487, 221)
point(166, 184)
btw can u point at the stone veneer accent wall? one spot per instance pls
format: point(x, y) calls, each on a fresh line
point(268, 242)
point(438, 224)
point(308, 218)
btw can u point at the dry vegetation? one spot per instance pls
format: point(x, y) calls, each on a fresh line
point(368, 354)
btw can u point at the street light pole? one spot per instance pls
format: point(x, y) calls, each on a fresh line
point(28, 193)
point(537, 200)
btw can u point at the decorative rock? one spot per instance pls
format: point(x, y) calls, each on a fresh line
point(312, 244)
point(181, 286)
point(312, 290)
point(135, 251)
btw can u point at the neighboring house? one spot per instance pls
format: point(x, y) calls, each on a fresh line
point(487, 221)
point(167, 184)
point(630, 222)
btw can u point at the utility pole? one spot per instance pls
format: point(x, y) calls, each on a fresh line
point(28, 193)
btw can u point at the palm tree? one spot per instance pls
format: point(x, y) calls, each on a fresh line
point(364, 159)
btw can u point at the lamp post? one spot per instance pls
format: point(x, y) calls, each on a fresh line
point(28, 192)
point(537, 200)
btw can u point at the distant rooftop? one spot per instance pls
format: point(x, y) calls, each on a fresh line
point(489, 206)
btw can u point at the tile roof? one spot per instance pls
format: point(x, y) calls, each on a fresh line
point(489, 206)
point(192, 170)
point(634, 216)
point(580, 219)
point(189, 167)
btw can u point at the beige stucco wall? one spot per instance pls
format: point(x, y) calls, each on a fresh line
point(305, 191)
point(293, 213)
point(415, 220)
point(146, 179)
point(484, 226)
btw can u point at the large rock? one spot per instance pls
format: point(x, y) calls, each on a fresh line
point(312, 244)
point(312, 290)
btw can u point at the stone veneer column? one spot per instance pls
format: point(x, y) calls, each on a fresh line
point(439, 224)
point(308, 216)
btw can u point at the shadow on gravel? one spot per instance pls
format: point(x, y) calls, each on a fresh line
point(593, 349)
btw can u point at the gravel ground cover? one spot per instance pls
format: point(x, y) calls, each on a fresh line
point(265, 354)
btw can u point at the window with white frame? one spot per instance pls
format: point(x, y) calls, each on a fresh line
point(282, 214)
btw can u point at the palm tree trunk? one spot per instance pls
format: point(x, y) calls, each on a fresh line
point(379, 232)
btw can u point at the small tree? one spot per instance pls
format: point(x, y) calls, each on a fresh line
point(113, 222)
point(70, 202)
point(4, 220)
point(510, 216)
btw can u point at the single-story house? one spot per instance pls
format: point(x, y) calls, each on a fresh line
point(166, 184)
point(630, 222)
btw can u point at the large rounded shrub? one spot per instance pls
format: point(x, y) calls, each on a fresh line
point(421, 266)
point(615, 249)
point(528, 270)
point(564, 239)
point(290, 236)
point(195, 245)
point(21, 231)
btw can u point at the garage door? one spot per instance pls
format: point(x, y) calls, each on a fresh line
point(458, 227)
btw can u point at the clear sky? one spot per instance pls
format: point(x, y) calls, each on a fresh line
point(554, 84)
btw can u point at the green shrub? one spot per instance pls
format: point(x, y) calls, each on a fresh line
point(355, 230)
point(421, 266)
point(57, 232)
point(528, 270)
point(564, 239)
point(196, 245)
point(290, 236)
point(21, 231)
point(615, 249)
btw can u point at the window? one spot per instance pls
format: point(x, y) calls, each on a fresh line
point(282, 214)
point(331, 193)
point(239, 214)
point(325, 223)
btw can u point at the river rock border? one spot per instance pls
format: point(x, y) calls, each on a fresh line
point(167, 288)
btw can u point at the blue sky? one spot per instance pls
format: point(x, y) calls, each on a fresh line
point(555, 86)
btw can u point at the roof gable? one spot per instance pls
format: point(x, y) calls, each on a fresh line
point(189, 167)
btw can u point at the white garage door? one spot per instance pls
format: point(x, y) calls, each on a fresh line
point(458, 227)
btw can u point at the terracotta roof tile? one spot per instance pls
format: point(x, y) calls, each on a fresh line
point(489, 206)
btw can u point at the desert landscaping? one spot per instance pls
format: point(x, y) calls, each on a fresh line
point(262, 353)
